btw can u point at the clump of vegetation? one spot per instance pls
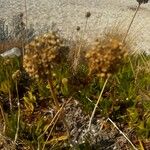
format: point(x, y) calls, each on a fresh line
point(105, 57)
point(7, 86)
point(109, 81)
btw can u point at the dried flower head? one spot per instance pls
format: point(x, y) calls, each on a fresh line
point(78, 28)
point(88, 14)
point(41, 53)
point(142, 1)
point(105, 57)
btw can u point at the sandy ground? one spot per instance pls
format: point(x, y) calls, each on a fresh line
point(68, 14)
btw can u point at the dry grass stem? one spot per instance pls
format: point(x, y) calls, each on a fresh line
point(122, 134)
point(19, 113)
point(3, 116)
point(53, 123)
point(96, 105)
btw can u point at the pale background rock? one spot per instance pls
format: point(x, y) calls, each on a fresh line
point(67, 14)
point(12, 52)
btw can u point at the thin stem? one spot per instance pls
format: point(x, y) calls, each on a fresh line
point(10, 101)
point(78, 53)
point(132, 68)
point(25, 5)
point(53, 94)
point(86, 23)
point(3, 116)
point(54, 123)
point(131, 23)
point(96, 105)
point(56, 102)
point(18, 118)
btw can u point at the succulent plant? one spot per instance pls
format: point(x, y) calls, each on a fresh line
point(105, 57)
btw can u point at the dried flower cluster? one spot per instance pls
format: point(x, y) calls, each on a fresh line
point(41, 54)
point(142, 1)
point(105, 57)
point(88, 14)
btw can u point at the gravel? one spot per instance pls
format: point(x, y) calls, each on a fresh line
point(66, 15)
point(97, 137)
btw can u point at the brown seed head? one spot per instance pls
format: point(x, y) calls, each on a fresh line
point(104, 58)
point(78, 28)
point(88, 14)
point(41, 53)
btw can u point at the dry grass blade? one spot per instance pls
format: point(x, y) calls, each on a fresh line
point(3, 116)
point(54, 123)
point(53, 120)
point(122, 134)
point(96, 105)
point(141, 145)
point(19, 113)
point(55, 117)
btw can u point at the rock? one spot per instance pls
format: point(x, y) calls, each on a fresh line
point(12, 52)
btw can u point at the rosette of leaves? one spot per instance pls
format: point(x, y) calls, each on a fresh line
point(105, 57)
